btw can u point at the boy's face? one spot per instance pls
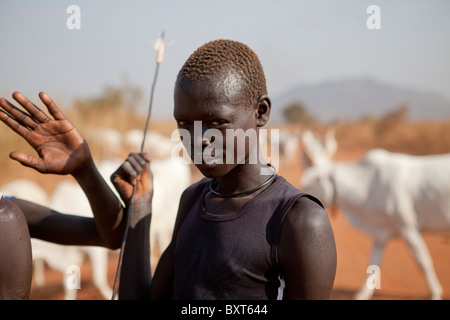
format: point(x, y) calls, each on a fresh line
point(210, 111)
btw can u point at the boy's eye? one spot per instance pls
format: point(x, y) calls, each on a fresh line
point(216, 122)
point(213, 123)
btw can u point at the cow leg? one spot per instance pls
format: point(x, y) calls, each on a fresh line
point(423, 258)
point(69, 293)
point(366, 291)
point(39, 273)
point(99, 263)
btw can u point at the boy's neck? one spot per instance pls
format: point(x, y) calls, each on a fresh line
point(242, 178)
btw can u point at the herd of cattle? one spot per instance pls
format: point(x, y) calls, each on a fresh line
point(384, 194)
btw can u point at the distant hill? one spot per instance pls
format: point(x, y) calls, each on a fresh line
point(355, 98)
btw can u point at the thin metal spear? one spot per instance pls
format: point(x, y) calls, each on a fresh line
point(159, 47)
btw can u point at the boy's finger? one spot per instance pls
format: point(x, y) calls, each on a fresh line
point(136, 163)
point(138, 160)
point(28, 161)
point(51, 106)
point(33, 110)
point(18, 114)
point(130, 171)
point(145, 156)
point(146, 176)
point(14, 125)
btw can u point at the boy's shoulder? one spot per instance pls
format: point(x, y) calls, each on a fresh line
point(306, 213)
point(306, 210)
point(302, 197)
point(11, 216)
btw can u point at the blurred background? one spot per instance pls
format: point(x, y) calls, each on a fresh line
point(377, 88)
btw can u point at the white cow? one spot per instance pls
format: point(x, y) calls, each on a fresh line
point(107, 141)
point(27, 189)
point(288, 144)
point(386, 195)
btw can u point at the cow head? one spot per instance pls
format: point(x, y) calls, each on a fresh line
point(317, 178)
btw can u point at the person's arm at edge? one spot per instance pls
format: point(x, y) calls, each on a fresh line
point(105, 229)
point(307, 252)
point(49, 225)
point(106, 207)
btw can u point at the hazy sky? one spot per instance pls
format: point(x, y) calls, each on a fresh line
point(298, 42)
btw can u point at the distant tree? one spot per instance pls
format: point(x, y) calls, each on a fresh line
point(116, 105)
point(396, 115)
point(392, 119)
point(296, 112)
point(113, 98)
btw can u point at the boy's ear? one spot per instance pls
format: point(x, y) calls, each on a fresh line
point(263, 112)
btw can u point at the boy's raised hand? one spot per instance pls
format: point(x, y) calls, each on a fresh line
point(60, 146)
point(135, 171)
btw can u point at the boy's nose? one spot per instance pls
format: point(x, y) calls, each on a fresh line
point(200, 141)
point(206, 142)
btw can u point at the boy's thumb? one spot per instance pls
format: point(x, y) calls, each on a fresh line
point(28, 161)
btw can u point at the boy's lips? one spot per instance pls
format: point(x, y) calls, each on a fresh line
point(202, 156)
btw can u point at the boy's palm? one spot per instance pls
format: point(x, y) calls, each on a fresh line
point(60, 146)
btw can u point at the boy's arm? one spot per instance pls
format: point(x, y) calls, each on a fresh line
point(47, 224)
point(307, 252)
point(62, 149)
point(135, 275)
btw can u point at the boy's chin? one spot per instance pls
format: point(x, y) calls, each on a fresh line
point(213, 170)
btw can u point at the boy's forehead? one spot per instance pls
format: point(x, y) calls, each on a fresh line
point(224, 87)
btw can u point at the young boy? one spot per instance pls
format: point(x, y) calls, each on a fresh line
point(238, 235)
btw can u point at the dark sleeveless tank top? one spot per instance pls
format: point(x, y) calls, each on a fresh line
point(233, 256)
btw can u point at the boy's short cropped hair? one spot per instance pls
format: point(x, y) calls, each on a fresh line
point(218, 56)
